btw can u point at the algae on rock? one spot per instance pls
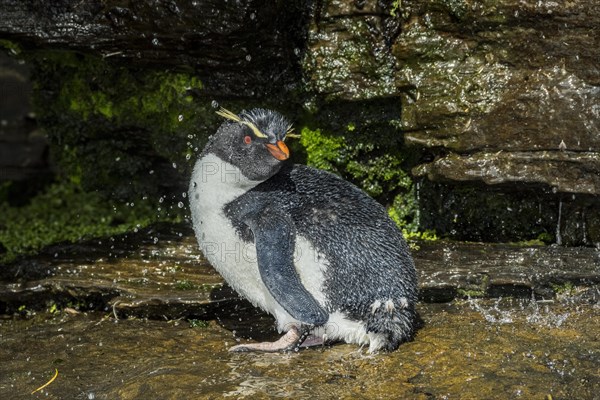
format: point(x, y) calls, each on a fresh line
point(66, 213)
point(117, 129)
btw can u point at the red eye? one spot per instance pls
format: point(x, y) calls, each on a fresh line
point(247, 139)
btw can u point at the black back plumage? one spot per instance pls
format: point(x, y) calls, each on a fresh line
point(367, 255)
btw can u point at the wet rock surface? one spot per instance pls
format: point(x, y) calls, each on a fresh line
point(567, 172)
point(506, 101)
point(238, 45)
point(23, 147)
point(159, 273)
point(144, 315)
point(464, 350)
point(513, 77)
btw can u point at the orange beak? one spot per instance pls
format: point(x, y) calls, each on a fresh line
point(279, 150)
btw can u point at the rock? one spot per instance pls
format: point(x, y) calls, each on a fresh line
point(23, 147)
point(236, 48)
point(136, 275)
point(468, 349)
point(348, 55)
point(449, 270)
point(518, 80)
point(500, 99)
point(505, 101)
point(563, 171)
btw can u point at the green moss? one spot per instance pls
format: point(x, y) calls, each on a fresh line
point(198, 323)
point(396, 7)
point(53, 309)
point(322, 151)
point(545, 238)
point(361, 162)
point(111, 127)
point(123, 140)
point(148, 98)
point(564, 288)
point(185, 285)
point(380, 173)
point(66, 213)
point(11, 46)
point(529, 243)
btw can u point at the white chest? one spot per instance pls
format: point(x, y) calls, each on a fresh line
point(214, 184)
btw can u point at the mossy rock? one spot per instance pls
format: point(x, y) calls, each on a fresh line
point(125, 132)
point(66, 213)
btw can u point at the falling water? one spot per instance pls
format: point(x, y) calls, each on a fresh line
point(558, 236)
point(418, 198)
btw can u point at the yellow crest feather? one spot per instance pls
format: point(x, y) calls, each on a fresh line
point(228, 115)
point(255, 130)
point(290, 134)
point(234, 117)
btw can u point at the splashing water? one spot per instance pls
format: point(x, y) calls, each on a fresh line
point(531, 311)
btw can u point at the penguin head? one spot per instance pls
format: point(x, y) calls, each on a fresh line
point(252, 141)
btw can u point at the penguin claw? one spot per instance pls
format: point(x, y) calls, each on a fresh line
point(290, 342)
point(240, 348)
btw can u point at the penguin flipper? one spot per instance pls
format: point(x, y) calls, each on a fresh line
point(275, 239)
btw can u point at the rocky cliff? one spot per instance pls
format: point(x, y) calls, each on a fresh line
point(479, 120)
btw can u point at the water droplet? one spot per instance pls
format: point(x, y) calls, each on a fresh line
point(180, 204)
point(252, 16)
point(214, 104)
point(188, 156)
point(155, 42)
point(161, 199)
point(151, 171)
point(155, 240)
point(180, 117)
point(248, 57)
point(118, 159)
point(174, 165)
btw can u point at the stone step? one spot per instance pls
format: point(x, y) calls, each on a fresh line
point(136, 275)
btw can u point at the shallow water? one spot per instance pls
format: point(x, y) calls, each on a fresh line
point(460, 352)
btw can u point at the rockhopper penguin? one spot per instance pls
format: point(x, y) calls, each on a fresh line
point(304, 245)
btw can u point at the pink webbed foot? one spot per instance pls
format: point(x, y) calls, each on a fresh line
point(291, 341)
